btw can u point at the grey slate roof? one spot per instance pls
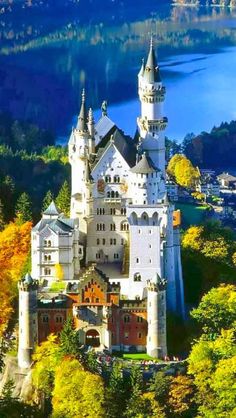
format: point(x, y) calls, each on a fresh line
point(82, 119)
point(59, 225)
point(144, 166)
point(151, 72)
point(28, 279)
point(103, 127)
point(52, 209)
point(125, 145)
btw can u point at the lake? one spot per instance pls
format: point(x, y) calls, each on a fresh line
point(45, 63)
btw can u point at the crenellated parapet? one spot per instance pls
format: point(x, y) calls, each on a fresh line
point(155, 94)
point(27, 284)
point(159, 286)
point(153, 125)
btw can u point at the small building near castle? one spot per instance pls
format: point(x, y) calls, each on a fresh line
point(120, 249)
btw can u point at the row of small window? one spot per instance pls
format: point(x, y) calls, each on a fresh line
point(139, 334)
point(124, 226)
point(58, 319)
point(88, 300)
point(47, 257)
point(138, 261)
point(99, 256)
point(113, 211)
point(148, 175)
point(116, 179)
point(112, 241)
point(113, 194)
point(47, 243)
point(127, 318)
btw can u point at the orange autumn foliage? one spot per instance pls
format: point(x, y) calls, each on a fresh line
point(14, 250)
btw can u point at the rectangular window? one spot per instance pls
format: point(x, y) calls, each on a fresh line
point(139, 335)
point(126, 335)
point(137, 260)
point(103, 241)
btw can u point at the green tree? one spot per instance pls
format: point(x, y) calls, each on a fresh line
point(210, 361)
point(136, 388)
point(117, 392)
point(69, 339)
point(77, 392)
point(160, 385)
point(24, 208)
point(47, 200)
point(181, 397)
point(63, 199)
point(217, 310)
point(46, 358)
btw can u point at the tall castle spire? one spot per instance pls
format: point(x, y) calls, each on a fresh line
point(82, 119)
point(151, 72)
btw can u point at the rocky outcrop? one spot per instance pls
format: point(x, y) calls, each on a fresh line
point(22, 379)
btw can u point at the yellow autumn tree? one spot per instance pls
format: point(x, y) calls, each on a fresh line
point(76, 391)
point(14, 250)
point(182, 170)
point(59, 272)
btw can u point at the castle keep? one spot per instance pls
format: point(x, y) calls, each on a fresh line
point(120, 250)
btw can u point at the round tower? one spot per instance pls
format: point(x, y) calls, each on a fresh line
point(152, 122)
point(156, 317)
point(28, 324)
point(147, 184)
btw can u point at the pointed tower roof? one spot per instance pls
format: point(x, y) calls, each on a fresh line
point(28, 279)
point(82, 119)
point(144, 166)
point(152, 73)
point(141, 72)
point(52, 210)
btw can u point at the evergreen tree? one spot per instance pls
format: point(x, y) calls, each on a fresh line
point(63, 199)
point(7, 391)
point(24, 208)
point(1, 216)
point(117, 393)
point(69, 339)
point(7, 190)
point(47, 200)
point(136, 385)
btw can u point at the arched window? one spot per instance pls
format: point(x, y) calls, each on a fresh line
point(107, 179)
point(112, 193)
point(87, 300)
point(108, 194)
point(98, 241)
point(59, 319)
point(116, 179)
point(123, 211)
point(117, 194)
point(112, 227)
point(97, 211)
point(137, 277)
point(103, 227)
point(126, 318)
point(45, 318)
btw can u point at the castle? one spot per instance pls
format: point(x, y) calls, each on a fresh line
point(120, 250)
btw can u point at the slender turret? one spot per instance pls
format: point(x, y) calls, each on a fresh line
point(28, 327)
point(152, 122)
point(156, 316)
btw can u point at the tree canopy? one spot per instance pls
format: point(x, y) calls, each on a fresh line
point(182, 171)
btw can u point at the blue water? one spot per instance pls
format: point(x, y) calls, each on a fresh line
point(45, 61)
point(200, 97)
